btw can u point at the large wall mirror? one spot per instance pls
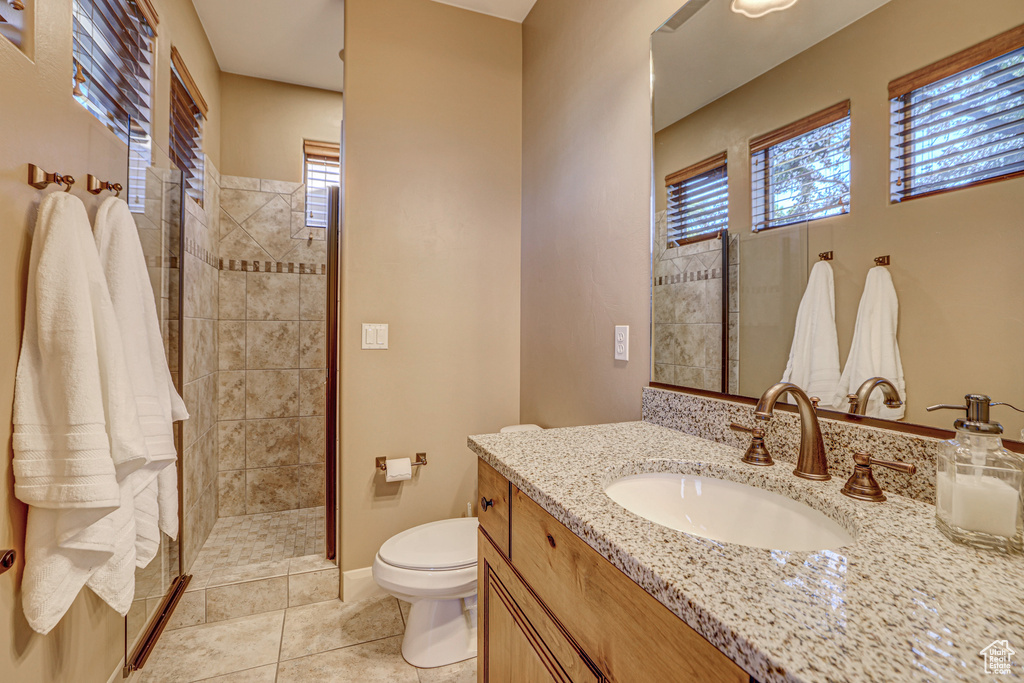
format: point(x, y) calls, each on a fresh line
point(838, 132)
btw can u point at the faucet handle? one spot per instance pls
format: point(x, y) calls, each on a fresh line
point(815, 401)
point(757, 453)
point(862, 485)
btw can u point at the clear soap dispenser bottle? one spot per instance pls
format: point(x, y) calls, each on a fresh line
point(979, 484)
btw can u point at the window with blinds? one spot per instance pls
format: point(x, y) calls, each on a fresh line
point(185, 145)
point(112, 50)
point(801, 172)
point(323, 170)
point(960, 122)
point(12, 21)
point(698, 202)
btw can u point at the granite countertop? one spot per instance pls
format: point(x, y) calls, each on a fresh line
point(902, 603)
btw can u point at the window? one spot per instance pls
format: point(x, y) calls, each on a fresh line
point(188, 110)
point(12, 21)
point(112, 51)
point(698, 201)
point(960, 122)
point(801, 172)
point(323, 170)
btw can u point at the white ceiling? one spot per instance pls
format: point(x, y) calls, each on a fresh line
point(294, 42)
point(515, 10)
point(717, 50)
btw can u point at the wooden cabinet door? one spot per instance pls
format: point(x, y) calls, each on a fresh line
point(519, 641)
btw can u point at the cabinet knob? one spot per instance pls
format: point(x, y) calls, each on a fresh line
point(7, 560)
point(485, 503)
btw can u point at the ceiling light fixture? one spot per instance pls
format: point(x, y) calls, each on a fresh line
point(759, 8)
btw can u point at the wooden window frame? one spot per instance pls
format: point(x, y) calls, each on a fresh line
point(700, 168)
point(323, 150)
point(180, 75)
point(900, 88)
point(761, 143)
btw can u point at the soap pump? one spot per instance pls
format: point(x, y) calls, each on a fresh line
point(979, 484)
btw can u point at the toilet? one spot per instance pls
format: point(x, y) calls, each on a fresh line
point(433, 567)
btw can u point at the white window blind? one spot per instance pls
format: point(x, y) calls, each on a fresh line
point(12, 21)
point(323, 170)
point(188, 111)
point(698, 201)
point(955, 130)
point(801, 172)
point(112, 50)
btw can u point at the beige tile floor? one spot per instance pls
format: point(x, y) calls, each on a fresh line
point(327, 642)
point(263, 537)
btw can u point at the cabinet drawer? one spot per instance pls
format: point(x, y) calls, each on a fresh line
point(588, 594)
point(519, 640)
point(494, 495)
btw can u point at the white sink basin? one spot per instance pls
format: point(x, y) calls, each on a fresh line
point(727, 511)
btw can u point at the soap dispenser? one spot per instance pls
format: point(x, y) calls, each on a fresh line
point(979, 483)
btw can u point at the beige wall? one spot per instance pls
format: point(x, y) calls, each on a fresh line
point(938, 244)
point(44, 125)
point(430, 246)
point(586, 207)
point(265, 123)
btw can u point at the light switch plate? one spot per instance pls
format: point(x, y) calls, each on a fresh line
point(375, 336)
point(622, 342)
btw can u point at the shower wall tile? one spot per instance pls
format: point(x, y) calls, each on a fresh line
point(312, 392)
point(231, 182)
point(272, 296)
point(231, 342)
point(271, 489)
point(240, 205)
point(312, 439)
point(232, 493)
point(272, 345)
point(271, 443)
point(232, 395)
point(231, 446)
point(313, 304)
point(311, 345)
point(237, 244)
point(270, 226)
point(271, 393)
point(312, 486)
point(232, 295)
point(279, 186)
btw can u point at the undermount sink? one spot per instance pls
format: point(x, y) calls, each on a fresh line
point(727, 511)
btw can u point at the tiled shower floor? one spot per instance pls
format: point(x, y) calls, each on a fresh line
point(263, 537)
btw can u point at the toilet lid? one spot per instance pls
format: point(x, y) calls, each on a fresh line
point(448, 544)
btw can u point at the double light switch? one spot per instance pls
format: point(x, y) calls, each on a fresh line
point(375, 335)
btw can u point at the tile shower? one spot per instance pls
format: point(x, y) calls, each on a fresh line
point(271, 360)
point(688, 312)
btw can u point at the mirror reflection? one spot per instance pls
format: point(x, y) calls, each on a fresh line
point(839, 204)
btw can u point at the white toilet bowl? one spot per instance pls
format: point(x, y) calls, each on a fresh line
point(434, 567)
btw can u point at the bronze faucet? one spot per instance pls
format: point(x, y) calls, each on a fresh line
point(859, 401)
point(812, 462)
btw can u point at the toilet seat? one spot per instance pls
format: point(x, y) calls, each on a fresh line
point(437, 546)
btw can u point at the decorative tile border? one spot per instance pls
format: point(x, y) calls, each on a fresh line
point(200, 252)
point(709, 418)
point(691, 276)
point(247, 266)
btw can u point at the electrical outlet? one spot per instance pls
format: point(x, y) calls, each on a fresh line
point(622, 342)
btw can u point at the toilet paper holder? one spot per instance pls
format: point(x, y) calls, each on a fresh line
point(421, 459)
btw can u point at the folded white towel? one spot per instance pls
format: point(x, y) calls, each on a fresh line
point(76, 431)
point(875, 351)
point(157, 401)
point(814, 357)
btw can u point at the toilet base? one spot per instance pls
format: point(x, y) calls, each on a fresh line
point(440, 632)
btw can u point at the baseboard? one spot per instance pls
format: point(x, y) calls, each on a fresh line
point(358, 584)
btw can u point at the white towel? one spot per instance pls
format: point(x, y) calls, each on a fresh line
point(157, 401)
point(814, 357)
point(76, 431)
point(874, 351)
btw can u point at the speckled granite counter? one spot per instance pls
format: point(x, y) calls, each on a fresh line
point(900, 604)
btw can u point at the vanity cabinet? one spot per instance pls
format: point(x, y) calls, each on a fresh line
point(553, 609)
